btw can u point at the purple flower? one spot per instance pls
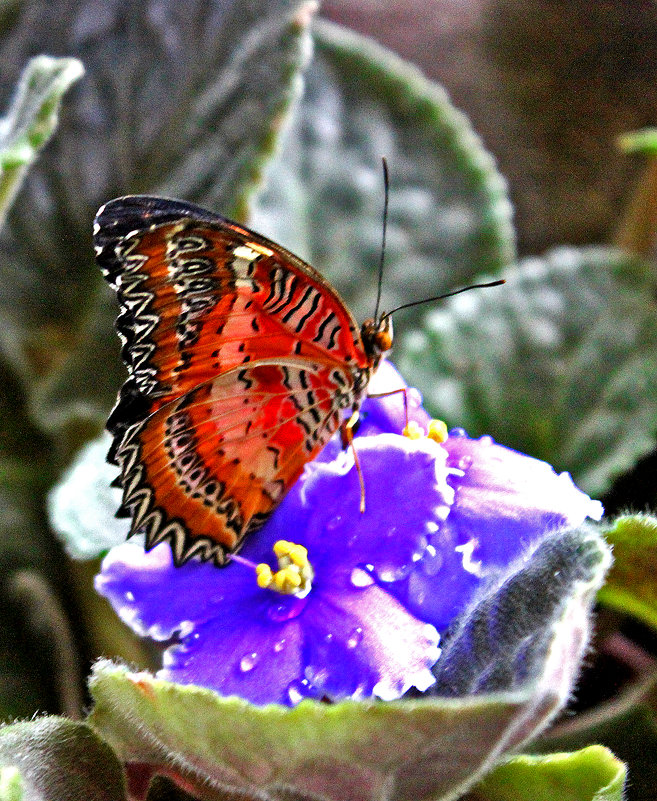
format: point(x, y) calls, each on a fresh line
point(439, 520)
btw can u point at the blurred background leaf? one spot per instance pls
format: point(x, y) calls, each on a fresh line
point(449, 216)
point(59, 759)
point(548, 85)
point(31, 120)
point(559, 363)
point(631, 587)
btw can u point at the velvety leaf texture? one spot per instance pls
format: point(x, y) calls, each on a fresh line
point(181, 99)
point(592, 774)
point(631, 585)
point(60, 759)
point(449, 215)
point(31, 119)
point(501, 642)
point(559, 363)
point(631, 734)
point(345, 751)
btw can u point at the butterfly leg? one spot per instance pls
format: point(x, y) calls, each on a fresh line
point(395, 392)
point(347, 435)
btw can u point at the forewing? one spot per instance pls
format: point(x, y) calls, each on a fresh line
point(208, 468)
point(200, 295)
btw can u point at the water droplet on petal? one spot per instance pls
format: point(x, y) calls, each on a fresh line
point(464, 462)
point(355, 638)
point(432, 561)
point(333, 523)
point(278, 647)
point(328, 637)
point(129, 597)
point(361, 578)
point(297, 690)
point(485, 440)
point(249, 661)
point(317, 676)
point(395, 572)
point(287, 609)
point(458, 432)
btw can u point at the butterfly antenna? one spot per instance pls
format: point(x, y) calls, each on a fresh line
point(446, 295)
point(386, 193)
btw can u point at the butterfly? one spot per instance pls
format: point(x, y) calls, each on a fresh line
point(241, 359)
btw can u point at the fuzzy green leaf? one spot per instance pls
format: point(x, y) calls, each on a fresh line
point(631, 734)
point(631, 586)
point(31, 120)
point(592, 774)
point(559, 363)
point(60, 759)
point(449, 215)
point(345, 751)
point(11, 784)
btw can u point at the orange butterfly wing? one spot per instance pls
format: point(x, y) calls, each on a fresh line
point(240, 358)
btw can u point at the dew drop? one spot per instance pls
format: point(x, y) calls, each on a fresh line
point(432, 561)
point(129, 597)
point(333, 523)
point(285, 610)
point(249, 661)
point(318, 677)
point(278, 647)
point(390, 573)
point(464, 462)
point(485, 440)
point(361, 578)
point(297, 690)
point(458, 432)
point(355, 638)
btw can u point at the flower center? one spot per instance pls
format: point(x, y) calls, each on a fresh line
point(437, 431)
point(294, 575)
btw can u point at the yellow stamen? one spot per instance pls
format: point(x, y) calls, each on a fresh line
point(412, 430)
point(294, 575)
point(437, 431)
point(264, 575)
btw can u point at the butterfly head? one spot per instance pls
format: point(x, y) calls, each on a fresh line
point(377, 337)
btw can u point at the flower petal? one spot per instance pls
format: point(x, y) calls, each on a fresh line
point(367, 645)
point(406, 498)
point(155, 598)
point(506, 501)
point(349, 637)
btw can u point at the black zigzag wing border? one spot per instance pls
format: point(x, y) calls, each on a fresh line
point(130, 214)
